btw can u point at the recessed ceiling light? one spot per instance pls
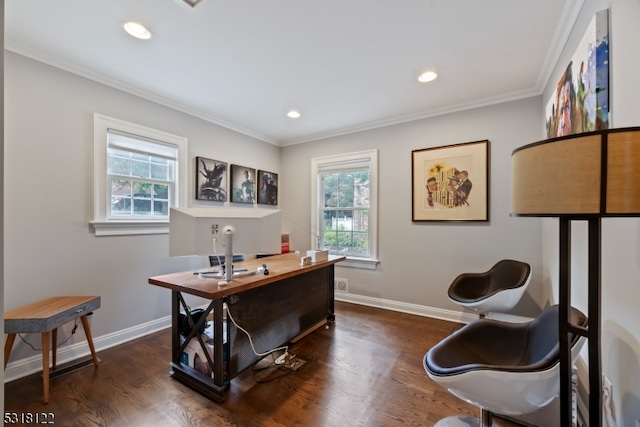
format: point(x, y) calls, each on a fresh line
point(137, 30)
point(192, 3)
point(293, 114)
point(427, 76)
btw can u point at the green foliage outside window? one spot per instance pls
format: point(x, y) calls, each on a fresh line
point(345, 212)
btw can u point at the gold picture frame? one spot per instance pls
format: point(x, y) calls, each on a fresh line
point(451, 183)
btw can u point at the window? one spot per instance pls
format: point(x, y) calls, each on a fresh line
point(344, 195)
point(139, 173)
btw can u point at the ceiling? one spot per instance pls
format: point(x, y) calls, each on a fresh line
point(345, 65)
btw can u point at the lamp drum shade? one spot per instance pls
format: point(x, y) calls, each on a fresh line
point(595, 173)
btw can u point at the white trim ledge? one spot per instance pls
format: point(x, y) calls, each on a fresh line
point(129, 228)
point(364, 263)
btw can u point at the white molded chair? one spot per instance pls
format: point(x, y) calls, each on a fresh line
point(501, 367)
point(496, 290)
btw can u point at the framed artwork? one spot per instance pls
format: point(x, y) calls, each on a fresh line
point(243, 184)
point(267, 188)
point(451, 183)
point(580, 102)
point(211, 180)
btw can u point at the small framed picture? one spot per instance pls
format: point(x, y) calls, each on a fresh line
point(267, 188)
point(211, 180)
point(442, 182)
point(243, 184)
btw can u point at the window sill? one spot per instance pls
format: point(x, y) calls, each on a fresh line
point(363, 263)
point(129, 228)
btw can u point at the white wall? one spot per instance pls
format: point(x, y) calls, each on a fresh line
point(620, 236)
point(2, 199)
point(418, 261)
point(49, 246)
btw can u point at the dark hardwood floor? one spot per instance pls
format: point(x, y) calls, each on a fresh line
point(364, 370)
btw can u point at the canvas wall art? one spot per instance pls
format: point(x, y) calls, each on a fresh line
point(243, 184)
point(211, 180)
point(580, 102)
point(267, 188)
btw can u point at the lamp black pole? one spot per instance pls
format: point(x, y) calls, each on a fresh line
point(595, 364)
point(566, 328)
point(564, 299)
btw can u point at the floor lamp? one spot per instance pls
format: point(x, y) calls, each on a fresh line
point(582, 177)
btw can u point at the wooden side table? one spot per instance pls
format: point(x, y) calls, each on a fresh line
point(46, 316)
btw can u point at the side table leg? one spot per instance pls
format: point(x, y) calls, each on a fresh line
point(7, 348)
point(54, 347)
point(45, 366)
point(87, 332)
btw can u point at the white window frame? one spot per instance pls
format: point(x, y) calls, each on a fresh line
point(319, 163)
point(102, 225)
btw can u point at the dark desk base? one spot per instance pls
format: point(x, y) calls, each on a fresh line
point(198, 382)
point(274, 314)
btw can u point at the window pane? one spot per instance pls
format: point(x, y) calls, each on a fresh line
point(161, 191)
point(142, 157)
point(142, 190)
point(338, 220)
point(361, 220)
point(345, 189)
point(140, 169)
point(141, 207)
point(329, 241)
point(331, 191)
point(121, 187)
point(120, 206)
point(360, 243)
point(118, 164)
point(120, 197)
point(361, 189)
point(160, 208)
point(159, 171)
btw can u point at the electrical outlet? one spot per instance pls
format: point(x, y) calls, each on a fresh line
point(214, 229)
point(341, 285)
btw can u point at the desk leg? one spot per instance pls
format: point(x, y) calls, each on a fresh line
point(45, 366)
point(54, 347)
point(218, 345)
point(87, 332)
point(7, 348)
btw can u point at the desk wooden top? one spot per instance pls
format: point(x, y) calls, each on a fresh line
point(280, 267)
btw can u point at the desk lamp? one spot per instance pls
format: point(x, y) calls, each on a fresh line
point(582, 177)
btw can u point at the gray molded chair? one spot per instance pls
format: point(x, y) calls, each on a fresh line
point(496, 290)
point(502, 367)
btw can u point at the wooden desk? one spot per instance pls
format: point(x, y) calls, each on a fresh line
point(46, 316)
point(275, 309)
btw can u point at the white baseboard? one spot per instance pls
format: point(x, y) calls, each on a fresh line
point(30, 365)
point(403, 307)
point(421, 310)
